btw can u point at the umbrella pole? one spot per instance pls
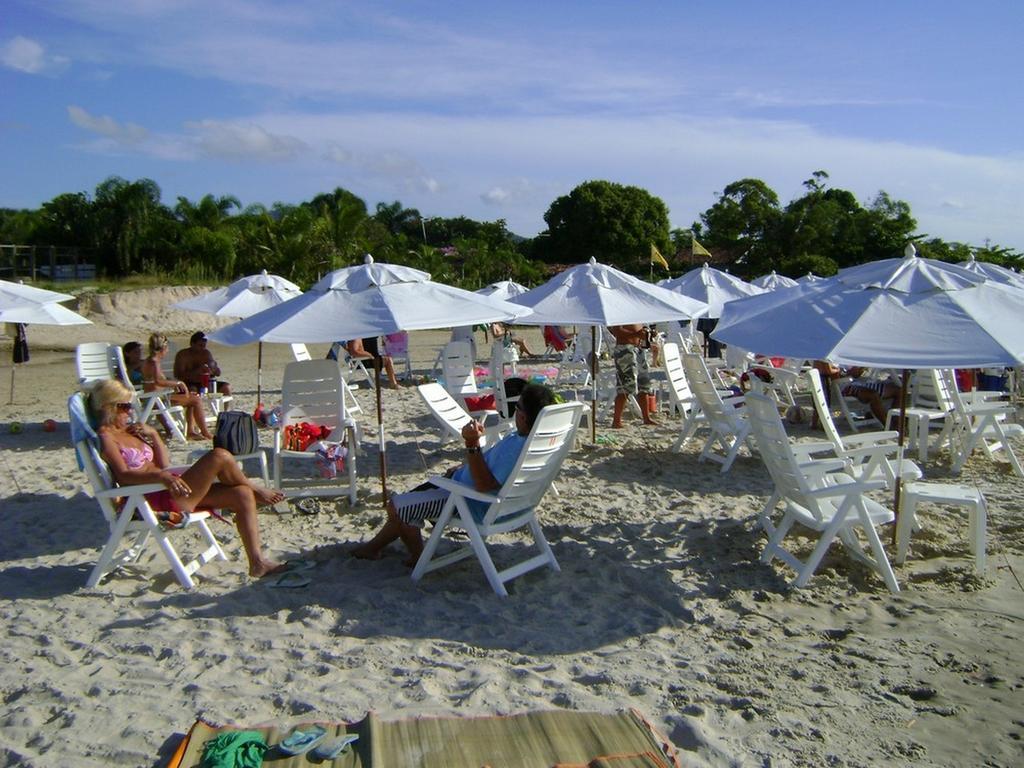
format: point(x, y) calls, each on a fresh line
point(10, 399)
point(593, 384)
point(380, 436)
point(901, 427)
point(259, 375)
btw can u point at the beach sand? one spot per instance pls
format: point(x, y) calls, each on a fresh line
point(661, 603)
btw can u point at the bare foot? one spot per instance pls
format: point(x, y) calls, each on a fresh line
point(365, 553)
point(652, 422)
point(266, 568)
point(616, 426)
point(267, 495)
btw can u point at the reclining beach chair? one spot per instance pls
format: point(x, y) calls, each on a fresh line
point(872, 455)
point(96, 361)
point(452, 417)
point(930, 413)
point(132, 521)
point(396, 346)
point(301, 354)
point(681, 397)
point(312, 392)
point(458, 373)
point(982, 424)
point(818, 494)
point(510, 508)
point(727, 424)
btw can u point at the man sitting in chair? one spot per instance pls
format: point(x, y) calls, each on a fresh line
point(197, 368)
point(485, 470)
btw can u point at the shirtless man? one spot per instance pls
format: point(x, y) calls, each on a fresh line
point(190, 365)
point(632, 372)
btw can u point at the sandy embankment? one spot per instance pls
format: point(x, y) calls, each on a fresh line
point(661, 604)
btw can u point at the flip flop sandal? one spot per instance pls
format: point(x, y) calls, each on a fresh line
point(299, 742)
point(167, 520)
point(329, 750)
point(288, 580)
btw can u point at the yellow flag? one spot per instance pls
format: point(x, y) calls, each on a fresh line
point(699, 250)
point(657, 258)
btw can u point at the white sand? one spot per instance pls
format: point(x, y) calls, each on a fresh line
point(661, 604)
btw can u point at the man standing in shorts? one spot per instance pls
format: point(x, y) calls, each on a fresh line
point(632, 371)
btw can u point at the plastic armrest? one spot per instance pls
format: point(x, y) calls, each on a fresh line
point(462, 490)
point(861, 439)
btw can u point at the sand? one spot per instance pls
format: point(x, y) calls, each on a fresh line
point(661, 604)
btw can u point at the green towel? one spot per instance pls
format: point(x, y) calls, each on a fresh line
point(234, 749)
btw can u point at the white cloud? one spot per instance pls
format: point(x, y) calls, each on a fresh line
point(238, 141)
point(108, 127)
point(28, 56)
point(495, 196)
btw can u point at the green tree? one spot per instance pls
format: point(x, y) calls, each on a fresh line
point(342, 214)
point(614, 223)
point(210, 212)
point(134, 227)
point(742, 225)
point(396, 218)
point(69, 220)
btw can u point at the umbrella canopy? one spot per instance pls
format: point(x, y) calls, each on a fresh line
point(506, 289)
point(368, 300)
point(42, 314)
point(810, 277)
point(894, 313)
point(711, 286)
point(772, 281)
point(20, 295)
point(244, 297)
point(596, 294)
point(993, 272)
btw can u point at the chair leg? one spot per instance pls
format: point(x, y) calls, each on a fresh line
point(978, 528)
point(479, 546)
point(905, 524)
point(423, 563)
point(881, 560)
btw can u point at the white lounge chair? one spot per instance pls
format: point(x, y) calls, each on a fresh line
point(512, 507)
point(132, 521)
point(312, 392)
point(983, 424)
point(681, 397)
point(819, 495)
point(727, 424)
point(458, 373)
point(451, 416)
point(872, 455)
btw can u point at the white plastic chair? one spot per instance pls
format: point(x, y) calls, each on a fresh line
point(984, 424)
point(930, 412)
point(452, 417)
point(301, 353)
point(681, 398)
point(458, 373)
point(312, 391)
point(819, 495)
point(856, 413)
point(512, 507)
point(396, 346)
point(872, 455)
point(727, 424)
point(133, 524)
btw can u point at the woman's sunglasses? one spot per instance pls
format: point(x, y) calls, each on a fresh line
point(123, 407)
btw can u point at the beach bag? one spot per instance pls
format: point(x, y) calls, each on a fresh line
point(330, 458)
point(298, 437)
point(236, 433)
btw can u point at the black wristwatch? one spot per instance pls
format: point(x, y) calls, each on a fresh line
point(472, 449)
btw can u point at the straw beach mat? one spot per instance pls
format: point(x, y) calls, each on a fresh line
point(556, 739)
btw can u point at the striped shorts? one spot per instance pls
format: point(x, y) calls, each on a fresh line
point(424, 502)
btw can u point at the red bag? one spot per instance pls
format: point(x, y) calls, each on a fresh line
point(482, 403)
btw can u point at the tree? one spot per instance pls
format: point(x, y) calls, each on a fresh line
point(133, 225)
point(397, 219)
point(743, 224)
point(342, 214)
point(210, 212)
point(614, 223)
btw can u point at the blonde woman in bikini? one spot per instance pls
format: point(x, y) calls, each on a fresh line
point(136, 455)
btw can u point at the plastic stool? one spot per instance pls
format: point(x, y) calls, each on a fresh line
point(943, 493)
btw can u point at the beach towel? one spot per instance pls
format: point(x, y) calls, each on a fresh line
point(550, 738)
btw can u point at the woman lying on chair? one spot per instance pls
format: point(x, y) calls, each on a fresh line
point(485, 471)
point(136, 455)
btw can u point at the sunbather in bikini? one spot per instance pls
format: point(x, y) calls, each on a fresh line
point(136, 455)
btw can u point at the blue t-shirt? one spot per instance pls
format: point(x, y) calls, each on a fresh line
point(501, 459)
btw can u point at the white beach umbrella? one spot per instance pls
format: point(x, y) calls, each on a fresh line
point(20, 295)
point(711, 286)
point(810, 277)
point(505, 289)
point(773, 281)
point(895, 313)
point(23, 305)
point(993, 272)
point(244, 298)
point(595, 294)
point(368, 300)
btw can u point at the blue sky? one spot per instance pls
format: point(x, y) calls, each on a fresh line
point(493, 110)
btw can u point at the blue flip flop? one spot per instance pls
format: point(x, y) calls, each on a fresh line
point(287, 580)
point(329, 750)
point(298, 742)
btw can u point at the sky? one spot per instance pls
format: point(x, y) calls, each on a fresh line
point(494, 110)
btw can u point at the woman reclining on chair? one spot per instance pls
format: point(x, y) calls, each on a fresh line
point(485, 471)
point(136, 455)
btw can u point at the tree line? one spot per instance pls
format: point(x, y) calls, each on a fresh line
point(129, 230)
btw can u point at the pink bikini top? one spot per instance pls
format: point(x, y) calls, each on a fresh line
point(136, 457)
